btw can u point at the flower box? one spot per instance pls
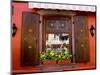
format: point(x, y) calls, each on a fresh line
point(64, 61)
point(49, 62)
point(60, 62)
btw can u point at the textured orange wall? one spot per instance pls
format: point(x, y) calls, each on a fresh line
point(16, 41)
point(92, 21)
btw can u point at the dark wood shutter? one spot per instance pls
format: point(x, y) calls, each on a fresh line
point(29, 39)
point(81, 39)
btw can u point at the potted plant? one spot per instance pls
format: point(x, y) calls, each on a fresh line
point(43, 57)
point(48, 58)
point(64, 57)
point(51, 57)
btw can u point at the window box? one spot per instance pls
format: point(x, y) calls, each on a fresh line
point(49, 62)
point(68, 61)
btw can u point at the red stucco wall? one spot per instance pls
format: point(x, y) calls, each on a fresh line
point(16, 41)
point(92, 21)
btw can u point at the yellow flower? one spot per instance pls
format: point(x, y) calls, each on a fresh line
point(59, 56)
point(52, 53)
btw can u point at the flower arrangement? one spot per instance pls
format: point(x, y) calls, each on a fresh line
point(52, 55)
point(64, 56)
point(48, 58)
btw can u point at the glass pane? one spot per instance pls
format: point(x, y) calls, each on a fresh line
point(57, 38)
point(51, 23)
point(61, 24)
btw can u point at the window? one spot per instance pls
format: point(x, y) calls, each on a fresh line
point(57, 34)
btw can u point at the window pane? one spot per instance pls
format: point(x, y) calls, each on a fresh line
point(54, 39)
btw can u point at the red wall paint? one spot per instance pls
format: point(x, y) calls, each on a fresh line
point(16, 41)
point(92, 21)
